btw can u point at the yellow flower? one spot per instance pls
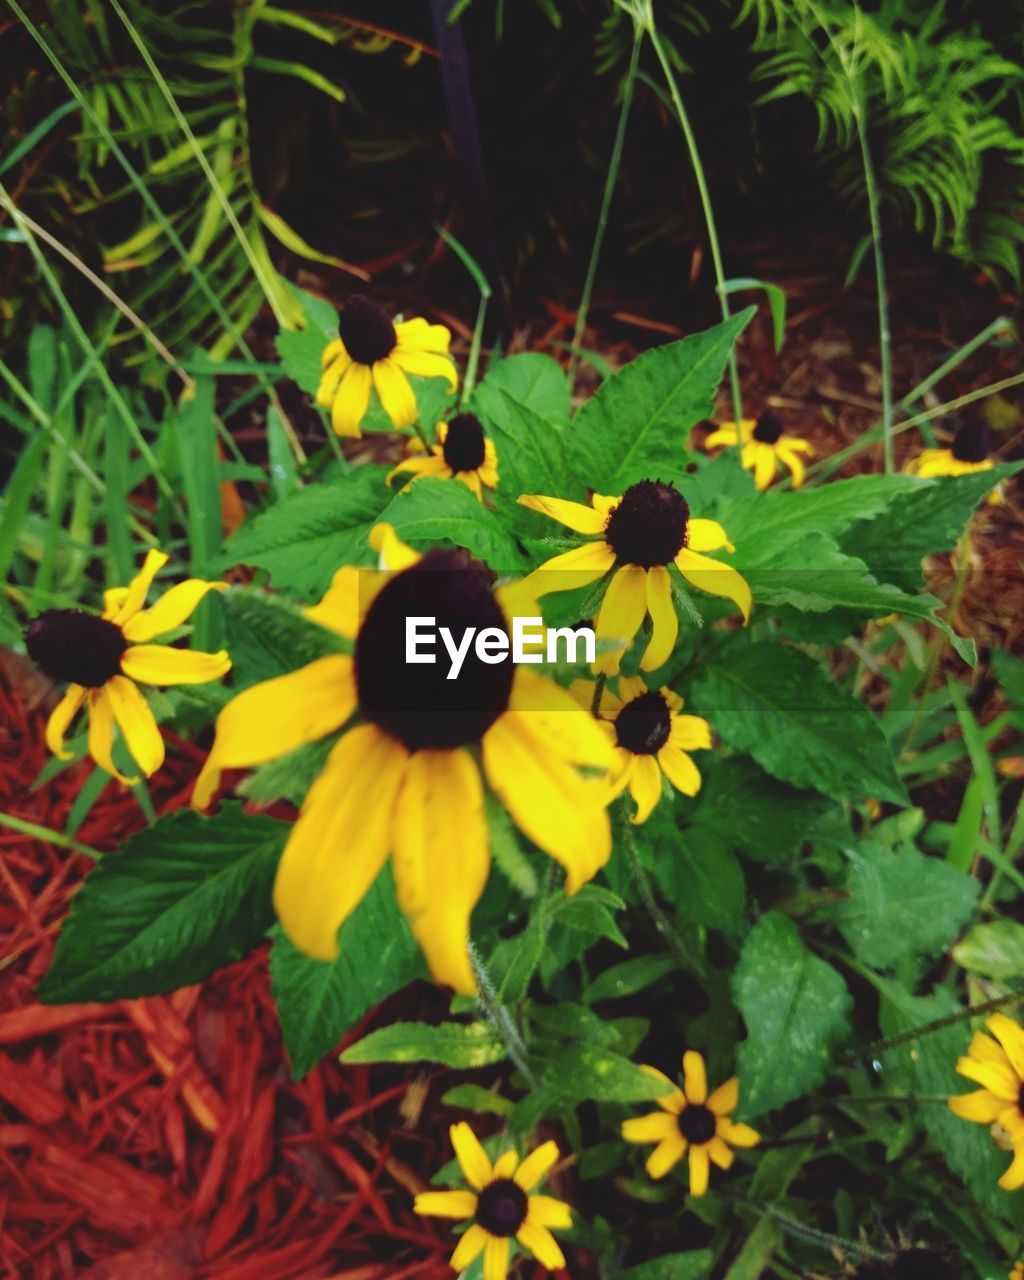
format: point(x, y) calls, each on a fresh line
point(500, 1205)
point(764, 447)
point(968, 453)
point(651, 738)
point(1018, 1271)
point(102, 655)
point(371, 350)
point(998, 1066)
point(643, 532)
point(691, 1122)
point(462, 450)
point(407, 780)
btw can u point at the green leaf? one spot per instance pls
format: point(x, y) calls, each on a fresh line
point(629, 977)
point(529, 461)
point(179, 900)
point(776, 303)
point(902, 903)
point(474, 1097)
point(305, 539)
point(797, 1009)
point(637, 422)
point(300, 349)
point(452, 1044)
point(698, 872)
point(434, 511)
point(693, 1265)
point(318, 1003)
point(995, 949)
point(267, 636)
point(777, 705)
point(585, 1072)
point(531, 381)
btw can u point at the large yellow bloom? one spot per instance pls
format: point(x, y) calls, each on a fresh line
point(372, 351)
point(102, 655)
point(500, 1205)
point(765, 445)
point(407, 780)
point(968, 453)
point(643, 532)
point(998, 1066)
point(651, 738)
point(691, 1122)
point(462, 450)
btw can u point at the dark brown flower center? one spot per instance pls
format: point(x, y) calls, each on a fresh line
point(972, 442)
point(72, 645)
point(416, 702)
point(697, 1123)
point(768, 428)
point(463, 447)
point(366, 330)
point(648, 526)
point(643, 725)
point(501, 1207)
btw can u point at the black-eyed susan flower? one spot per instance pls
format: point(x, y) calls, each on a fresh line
point(690, 1123)
point(500, 1207)
point(651, 738)
point(642, 533)
point(406, 780)
point(998, 1066)
point(765, 445)
point(371, 350)
point(104, 657)
point(461, 450)
point(968, 453)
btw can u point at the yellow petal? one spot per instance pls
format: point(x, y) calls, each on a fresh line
point(720, 1153)
point(981, 1106)
point(559, 811)
point(574, 515)
point(707, 535)
point(695, 1080)
point(339, 610)
point(505, 1165)
point(582, 691)
point(542, 1244)
point(1013, 1178)
point(172, 609)
point(395, 394)
point(672, 1099)
point(101, 733)
point(679, 769)
point(537, 1165)
point(60, 719)
point(998, 1080)
point(644, 787)
point(426, 364)
point(162, 664)
point(700, 1171)
point(351, 401)
point(431, 465)
point(331, 377)
point(419, 335)
point(650, 1128)
point(621, 614)
point(795, 464)
point(441, 859)
point(278, 716)
point(715, 578)
point(690, 733)
point(341, 840)
point(553, 714)
point(666, 1155)
point(737, 1135)
point(665, 628)
point(725, 1098)
point(139, 586)
point(576, 568)
point(496, 1253)
point(1011, 1036)
point(445, 1204)
point(393, 552)
point(796, 444)
point(725, 435)
point(765, 466)
point(137, 724)
point(469, 1248)
point(546, 1211)
point(472, 1158)
point(113, 599)
point(331, 352)
point(984, 1049)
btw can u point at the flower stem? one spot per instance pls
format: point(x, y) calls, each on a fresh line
point(473, 359)
point(709, 216)
point(928, 1028)
point(500, 1019)
point(595, 702)
point(648, 897)
point(57, 838)
point(611, 178)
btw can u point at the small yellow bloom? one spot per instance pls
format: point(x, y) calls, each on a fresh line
point(690, 1122)
point(500, 1206)
point(372, 351)
point(1018, 1271)
point(651, 738)
point(968, 453)
point(102, 656)
point(462, 450)
point(642, 533)
point(998, 1066)
point(765, 445)
point(406, 781)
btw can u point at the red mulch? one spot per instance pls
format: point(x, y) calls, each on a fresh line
point(162, 1139)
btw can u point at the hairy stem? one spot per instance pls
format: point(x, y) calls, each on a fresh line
point(500, 1019)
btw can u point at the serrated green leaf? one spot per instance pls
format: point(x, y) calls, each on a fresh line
point(635, 426)
point(995, 949)
point(300, 349)
point(179, 900)
point(452, 1044)
point(531, 380)
point(267, 636)
point(588, 1072)
point(902, 903)
point(797, 1010)
point(318, 1003)
point(529, 461)
point(434, 511)
point(777, 705)
point(693, 1265)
